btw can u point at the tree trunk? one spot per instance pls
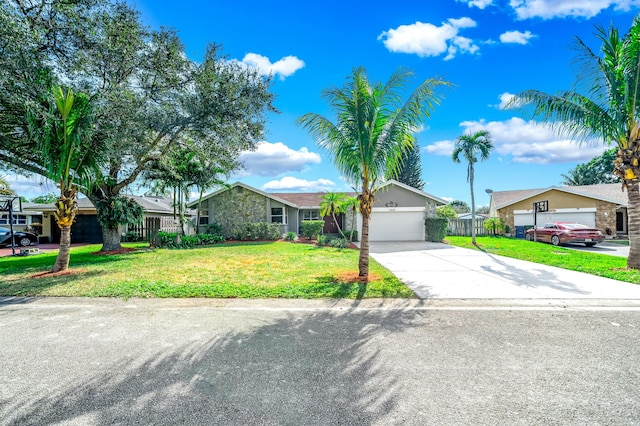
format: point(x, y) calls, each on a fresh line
point(363, 261)
point(110, 239)
point(62, 261)
point(633, 211)
point(473, 206)
point(333, 213)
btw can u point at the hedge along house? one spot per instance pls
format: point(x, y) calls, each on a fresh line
point(398, 212)
point(87, 229)
point(601, 206)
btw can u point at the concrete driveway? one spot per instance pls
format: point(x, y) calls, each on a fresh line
point(440, 271)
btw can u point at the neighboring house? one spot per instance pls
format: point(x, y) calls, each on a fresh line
point(602, 206)
point(398, 212)
point(25, 220)
point(86, 228)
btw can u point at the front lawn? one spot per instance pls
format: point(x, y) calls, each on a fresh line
point(592, 263)
point(244, 270)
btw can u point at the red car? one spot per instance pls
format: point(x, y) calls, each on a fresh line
point(565, 232)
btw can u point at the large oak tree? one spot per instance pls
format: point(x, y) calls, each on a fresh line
point(147, 95)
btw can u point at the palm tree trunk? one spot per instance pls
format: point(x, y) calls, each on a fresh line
point(473, 206)
point(62, 261)
point(633, 211)
point(363, 261)
point(333, 213)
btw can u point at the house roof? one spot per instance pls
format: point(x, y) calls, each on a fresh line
point(243, 185)
point(611, 192)
point(310, 200)
point(414, 190)
point(148, 204)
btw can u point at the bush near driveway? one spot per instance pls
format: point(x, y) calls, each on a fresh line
point(245, 270)
point(592, 263)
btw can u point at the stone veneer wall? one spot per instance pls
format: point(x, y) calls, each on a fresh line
point(602, 222)
point(235, 206)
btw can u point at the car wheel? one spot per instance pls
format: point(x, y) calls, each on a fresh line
point(24, 241)
point(527, 237)
point(589, 244)
point(555, 240)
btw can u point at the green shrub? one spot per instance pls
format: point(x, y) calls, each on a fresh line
point(348, 235)
point(493, 225)
point(338, 243)
point(206, 239)
point(131, 236)
point(214, 228)
point(290, 236)
point(322, 240)
point(436, 228)
point(252, 231)
point(312, 228)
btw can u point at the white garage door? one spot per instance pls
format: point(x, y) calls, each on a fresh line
point(587, 218)
point(396, 225)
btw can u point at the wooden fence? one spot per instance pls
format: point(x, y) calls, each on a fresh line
point(462, 227)
point(151, 225)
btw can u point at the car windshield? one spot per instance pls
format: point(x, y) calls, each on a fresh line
point(574, 226)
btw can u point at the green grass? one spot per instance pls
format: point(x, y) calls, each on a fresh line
point(592, 263)
point(247, 270)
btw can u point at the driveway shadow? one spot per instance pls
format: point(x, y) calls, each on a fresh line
point(531, 278)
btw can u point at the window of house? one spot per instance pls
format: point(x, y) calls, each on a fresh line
point(278, 215)
point(18, 219)
point(204, 217)
point(311, 215)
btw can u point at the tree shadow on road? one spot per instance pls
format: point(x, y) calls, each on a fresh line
point(316, 367)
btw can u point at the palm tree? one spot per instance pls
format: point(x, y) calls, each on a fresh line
point(371, 132)
point(350, 204)
point(331, 204)
point(471, 146)
point(64, 137)
point(606, 110)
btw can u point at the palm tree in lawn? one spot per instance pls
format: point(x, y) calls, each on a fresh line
point(372, 131)
point(472, 147)
point(64, 136)
point(350, 204)
point(332, 204)
point(607, 109)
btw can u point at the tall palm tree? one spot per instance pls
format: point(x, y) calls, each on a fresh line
point(64, 138)
point(607, 109)
point(472, 147)
point(370, 134)
point(332, 204)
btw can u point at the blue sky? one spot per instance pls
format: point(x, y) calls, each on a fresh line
point(487, 48)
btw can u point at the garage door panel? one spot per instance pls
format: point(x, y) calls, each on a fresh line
point(396, 226)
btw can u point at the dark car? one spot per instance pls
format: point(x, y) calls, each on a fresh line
point(19, 238)
point(565, 232)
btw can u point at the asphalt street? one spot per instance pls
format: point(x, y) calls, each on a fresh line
point(411, 362)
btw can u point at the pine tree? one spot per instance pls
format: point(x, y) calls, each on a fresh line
point(410, 169)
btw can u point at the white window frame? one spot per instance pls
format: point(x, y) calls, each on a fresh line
point(18, 219)
point(313, 214)
point(204, 214)
point(282, 216)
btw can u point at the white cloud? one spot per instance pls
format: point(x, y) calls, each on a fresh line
point(272, 159)
point(480, 4)
point(533, 142)
point(505, 98)
point(548, 9)
point(30, 187)
point(283, 68)
point(440, 148)
point(447, 199)
point(516, 37)
point(289, 183)
point(425, 39)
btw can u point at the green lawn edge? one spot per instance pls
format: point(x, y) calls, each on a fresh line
point(238, 270)
point(602, 265)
